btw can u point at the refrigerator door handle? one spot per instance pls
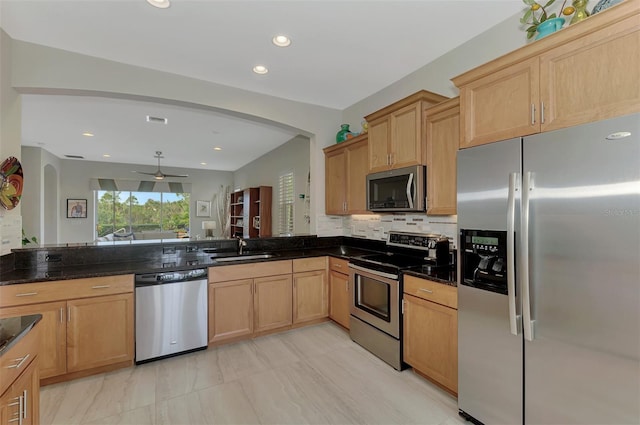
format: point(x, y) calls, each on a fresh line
point(527, 187)
point(514, 319)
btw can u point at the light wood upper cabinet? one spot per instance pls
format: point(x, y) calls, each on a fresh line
point(442, 124)
point(52, 332)
point(20, 404)
point(99, 331)
point(583, 73)
point(346, 168)
point(501, 105)
point(396, 133)
point(272, 302)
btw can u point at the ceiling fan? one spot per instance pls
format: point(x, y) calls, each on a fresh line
point(159, 175)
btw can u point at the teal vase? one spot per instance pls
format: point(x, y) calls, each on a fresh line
point(341, 136)
point(549, 27)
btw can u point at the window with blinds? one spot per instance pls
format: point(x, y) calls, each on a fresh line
point(285, 202)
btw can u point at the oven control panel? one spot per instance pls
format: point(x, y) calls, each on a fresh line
point(415, 240)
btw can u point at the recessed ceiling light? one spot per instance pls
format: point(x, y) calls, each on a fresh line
point(217, 148)
point(281, 41)
point(159, 120)
point(87, 134)
point(260, 69)
point(106, 155)
point(203, 163)
point(161, 4)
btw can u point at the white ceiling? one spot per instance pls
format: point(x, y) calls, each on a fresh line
point(342, 51)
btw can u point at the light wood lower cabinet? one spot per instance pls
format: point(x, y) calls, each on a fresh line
point(99, 331)
point(430, 336)
point(86, 323)
point(339, 291)
point(310, 289)
point(272, 302)
point(20, 404)
point(230, 310)
point(20, 381)
point(53, 334)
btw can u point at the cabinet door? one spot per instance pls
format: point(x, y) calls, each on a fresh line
point(20, 404)
point(230, 310)
point(501, 106)
point(339, 298)
point(310, 296)
point(443, 137)
point(99, 331)
point(357, 168)
point(379, 141)
point(406, 136)
point(591, 78)
point(272, 302)
point(53, 334)
point(335, 167)
point(431, 340)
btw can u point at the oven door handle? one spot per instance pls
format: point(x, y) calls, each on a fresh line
point(374, 272)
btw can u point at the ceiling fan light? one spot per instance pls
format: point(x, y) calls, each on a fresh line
point(158, 177)
point(160, 4)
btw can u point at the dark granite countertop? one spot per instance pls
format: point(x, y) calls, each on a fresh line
point(12, 329)
point(200, 260)
point(446, 276)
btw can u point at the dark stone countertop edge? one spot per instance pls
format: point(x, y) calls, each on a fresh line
point(8, 341)
point(110, 269)
point(434, 277)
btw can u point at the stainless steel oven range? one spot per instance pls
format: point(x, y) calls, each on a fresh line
point(376, 317)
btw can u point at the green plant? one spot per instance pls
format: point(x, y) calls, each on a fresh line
point(27, 241)
point(537, 13)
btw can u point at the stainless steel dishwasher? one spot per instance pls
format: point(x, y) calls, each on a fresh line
point(171, 313)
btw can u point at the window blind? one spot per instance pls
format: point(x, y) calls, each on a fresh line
point(285, 202)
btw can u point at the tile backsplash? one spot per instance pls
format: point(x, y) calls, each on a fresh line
point(377, 226)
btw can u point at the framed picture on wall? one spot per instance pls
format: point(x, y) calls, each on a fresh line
point(76, 208)
point(203, 208)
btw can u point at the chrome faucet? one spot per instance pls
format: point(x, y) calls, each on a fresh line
point(241, 244)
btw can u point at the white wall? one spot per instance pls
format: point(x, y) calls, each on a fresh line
point(74, 183)
point(266, 170)
point(435, 76)
point(10, 136)
point(40, 69)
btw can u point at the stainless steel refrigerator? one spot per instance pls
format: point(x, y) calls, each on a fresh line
point(549, 277)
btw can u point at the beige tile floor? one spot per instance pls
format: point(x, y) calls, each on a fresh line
point(312, 375)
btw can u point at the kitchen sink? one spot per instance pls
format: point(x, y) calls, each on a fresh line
point(243, 257)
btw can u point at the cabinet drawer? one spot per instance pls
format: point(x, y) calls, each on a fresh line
point(249, 271)
point(339, 265)
point(16, 360)
point(309, 264)
point(32, 293)
point(431, 291)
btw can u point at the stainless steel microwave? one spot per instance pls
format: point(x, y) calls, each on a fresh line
point(399, 190)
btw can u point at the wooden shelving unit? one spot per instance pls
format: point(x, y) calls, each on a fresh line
point(251, 212)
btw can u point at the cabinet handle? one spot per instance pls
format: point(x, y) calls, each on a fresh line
point(542, 112)
point(533, 114)
point(61, 314)
point(20, 361)
point(100, 286)
point(27, 294)
point(24, 404)
point(68, 314)
point(19, 418)
point(403, 304)
point(428, 291)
